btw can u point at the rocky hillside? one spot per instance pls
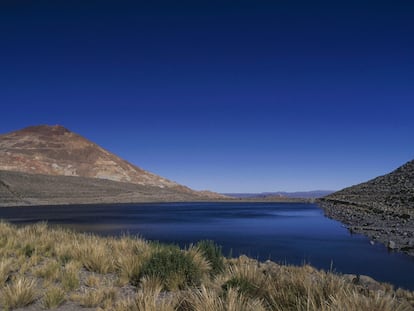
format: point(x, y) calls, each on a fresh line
point(382, 208)
point(54, 151)
point(21, 189)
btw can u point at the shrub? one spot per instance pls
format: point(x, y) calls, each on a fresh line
point(173, 267)
point(212, 252)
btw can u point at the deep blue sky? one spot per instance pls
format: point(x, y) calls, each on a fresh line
point(240, 96)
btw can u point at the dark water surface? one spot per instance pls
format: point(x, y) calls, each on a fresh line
point(291, 233)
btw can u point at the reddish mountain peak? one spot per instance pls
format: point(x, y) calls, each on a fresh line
point(54, 150)
point(44, 130)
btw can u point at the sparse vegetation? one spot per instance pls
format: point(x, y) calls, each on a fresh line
point(102, 297)
point(54, 297)
point(128, 274)
point(70, 276)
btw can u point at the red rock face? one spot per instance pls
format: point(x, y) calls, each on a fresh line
point(54, 150)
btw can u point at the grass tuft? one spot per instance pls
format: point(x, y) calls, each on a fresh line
point(213, 253)
point(5, 271)
point(95, 255)
point(20, 293)
point(53, 297)
point(93, 298)
point(149, 298)
point(70, 276)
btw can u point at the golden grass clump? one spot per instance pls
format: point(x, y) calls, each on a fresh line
point(95, 255)
point(207, 299)
point(92, 281)
point(53, 297)
point(7, 239)
point(70, 276)
point(199, 260)
point(92, 298)
point(50, 271)
point(376, 302)
point(20, 292)
point(5, 270)
point(149, 298)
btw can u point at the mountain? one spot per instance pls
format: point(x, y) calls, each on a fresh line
point(54, 150)
point(382, 208)
point(54, 154)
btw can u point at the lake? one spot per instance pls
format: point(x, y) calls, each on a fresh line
point(293, 233)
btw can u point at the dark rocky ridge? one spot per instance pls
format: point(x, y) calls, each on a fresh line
point(382, 208)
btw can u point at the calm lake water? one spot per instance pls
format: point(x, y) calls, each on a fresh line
point(283, 232)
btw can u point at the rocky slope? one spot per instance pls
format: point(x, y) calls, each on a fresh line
point(53, 152)
point(21, 189)
point(382, 208)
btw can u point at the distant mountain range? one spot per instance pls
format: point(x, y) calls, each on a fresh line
point(382, 208)
point(281, 194)
point(38, 163)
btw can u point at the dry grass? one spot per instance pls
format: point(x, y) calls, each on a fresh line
point(148, 298)
point(92, 298)
point(5, 270)
point(94, 254)
point(70, 276)
point(205, 299)
point(55, 264)
point(50, 271)
point(53, 297)
point(19, 293)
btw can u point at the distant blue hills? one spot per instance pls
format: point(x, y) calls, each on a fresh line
point(299, 194)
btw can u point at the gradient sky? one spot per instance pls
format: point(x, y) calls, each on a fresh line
point(231, 96)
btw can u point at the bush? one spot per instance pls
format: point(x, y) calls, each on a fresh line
point(173, 267)
point(212, 252)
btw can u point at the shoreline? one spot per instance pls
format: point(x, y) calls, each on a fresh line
point(395, 231)
point(155, 201)
point(62, 269)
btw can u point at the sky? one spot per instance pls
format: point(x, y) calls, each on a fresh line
point(230, 96)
